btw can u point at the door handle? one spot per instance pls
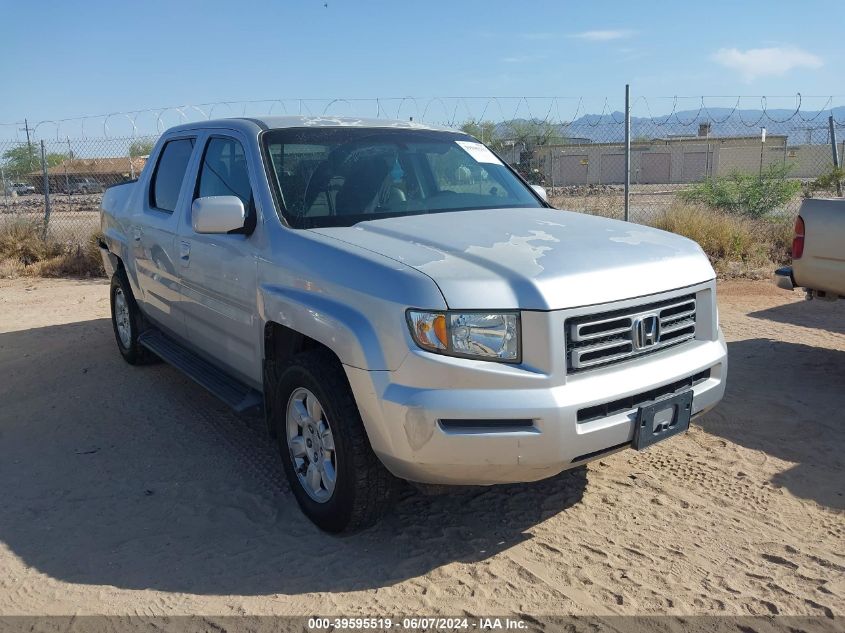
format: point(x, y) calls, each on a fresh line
point(184, 250)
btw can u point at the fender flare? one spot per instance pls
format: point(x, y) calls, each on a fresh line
point(344, 330)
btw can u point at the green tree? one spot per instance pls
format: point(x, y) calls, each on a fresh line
point(485, 131)
point(23, 159)
point(753, 195)
point(534, 132)
point(141, 147)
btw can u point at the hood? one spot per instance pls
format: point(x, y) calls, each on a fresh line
point(532, 259)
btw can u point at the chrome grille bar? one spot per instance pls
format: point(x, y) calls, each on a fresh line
point(610, 337)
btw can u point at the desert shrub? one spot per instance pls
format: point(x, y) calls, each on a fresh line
point(24, 250)
point(746, 194)
point(78, 260)
point(736, 245)
point(827, 182)
point(22, 240)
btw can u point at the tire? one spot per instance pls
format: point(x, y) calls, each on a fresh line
point(362, 489)
point(127, 321)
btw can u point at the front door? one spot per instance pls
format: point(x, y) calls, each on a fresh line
point(219, 272)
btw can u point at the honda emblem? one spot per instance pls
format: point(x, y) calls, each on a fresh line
point(645, 331)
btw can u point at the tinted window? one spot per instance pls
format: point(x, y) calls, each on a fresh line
point(341, 176)
point(224, 172)
point(169, 174)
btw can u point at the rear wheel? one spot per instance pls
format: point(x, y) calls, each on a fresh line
point(336, 478)
point(127, 321)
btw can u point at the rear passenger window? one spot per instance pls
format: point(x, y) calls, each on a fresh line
point(169, 174)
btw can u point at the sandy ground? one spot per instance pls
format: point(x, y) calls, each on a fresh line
point(130, 490)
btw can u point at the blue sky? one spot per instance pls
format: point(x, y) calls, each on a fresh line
point(64, 59)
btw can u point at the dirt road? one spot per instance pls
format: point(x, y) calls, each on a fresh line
point(129, 490)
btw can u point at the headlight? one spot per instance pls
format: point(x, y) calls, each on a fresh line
point(483, 335)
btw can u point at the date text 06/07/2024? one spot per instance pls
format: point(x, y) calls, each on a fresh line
point(417, 623)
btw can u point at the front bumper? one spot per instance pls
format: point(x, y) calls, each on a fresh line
point(405, 427)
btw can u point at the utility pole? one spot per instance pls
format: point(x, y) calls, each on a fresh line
point(832, 127)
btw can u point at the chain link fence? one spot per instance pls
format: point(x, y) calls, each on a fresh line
point(58, 184)
point(758, 162)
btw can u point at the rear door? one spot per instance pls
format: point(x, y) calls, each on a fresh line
point(219, 272)
point(154, 228)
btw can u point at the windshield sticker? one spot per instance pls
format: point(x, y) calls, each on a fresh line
point(480, 153)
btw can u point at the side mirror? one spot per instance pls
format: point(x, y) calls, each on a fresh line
point(217, 214)
point(540, 191)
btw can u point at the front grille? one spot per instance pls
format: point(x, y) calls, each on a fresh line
point(611, 337)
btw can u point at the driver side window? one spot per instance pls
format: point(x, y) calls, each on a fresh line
point(224, 172)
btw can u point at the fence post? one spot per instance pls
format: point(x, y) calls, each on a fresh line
point(46, 188)
point(627, 148)
point(832, 127)
point(5, 189)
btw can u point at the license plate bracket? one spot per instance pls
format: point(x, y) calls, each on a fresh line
point(662, 419)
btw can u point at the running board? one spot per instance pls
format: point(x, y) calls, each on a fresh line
point(230, 390)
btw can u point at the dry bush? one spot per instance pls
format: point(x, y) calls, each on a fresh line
point(738, 246)
point(80, 260)
point(24, 251)
point(22, 240)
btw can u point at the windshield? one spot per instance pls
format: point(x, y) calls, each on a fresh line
point(341, 176)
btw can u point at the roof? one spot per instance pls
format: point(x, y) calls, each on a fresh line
point(274, 122)
point(97, 166)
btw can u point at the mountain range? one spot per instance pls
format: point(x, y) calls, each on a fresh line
point(800, 127)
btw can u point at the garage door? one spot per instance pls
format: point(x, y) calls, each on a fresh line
point(612, 169)
point(695, 166)
point(572, 170)
point(654, 168)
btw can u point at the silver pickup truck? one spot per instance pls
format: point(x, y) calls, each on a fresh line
point(402, 304)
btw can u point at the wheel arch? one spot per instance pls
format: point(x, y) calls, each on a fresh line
point(341, 328)
point(281, 344)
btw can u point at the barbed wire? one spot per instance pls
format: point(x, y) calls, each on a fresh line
point(448, 110)
point(573, 146)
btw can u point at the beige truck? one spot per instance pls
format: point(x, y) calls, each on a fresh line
point(818, 250)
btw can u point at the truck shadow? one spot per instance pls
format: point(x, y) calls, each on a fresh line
point(786, 400)
point(816, 314)
point(135, 477)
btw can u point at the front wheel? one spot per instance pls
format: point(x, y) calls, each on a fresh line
point(336, 478)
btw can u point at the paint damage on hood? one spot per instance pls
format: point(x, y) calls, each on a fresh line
point(532, 259)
